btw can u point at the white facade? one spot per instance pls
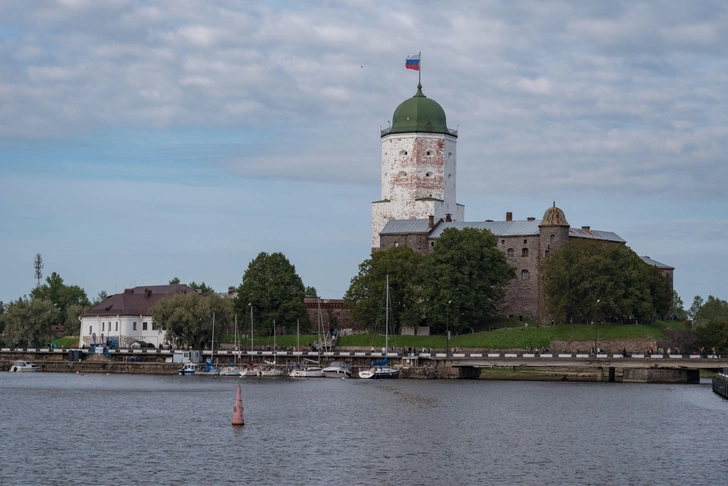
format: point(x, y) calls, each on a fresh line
point(418, 180)
point(127, 329)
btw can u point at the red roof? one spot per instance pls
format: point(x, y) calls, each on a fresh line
point(136, 301)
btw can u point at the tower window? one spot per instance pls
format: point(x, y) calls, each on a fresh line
point(525, 242)
point(503, 242)
point(524, 252)
point(525, 275)
point(428, 174)
point(552, 237)
point(402, 152)
point(403, 174)
point(428, 153)
point(449, 155)
point(546, 253)
point(510, 252)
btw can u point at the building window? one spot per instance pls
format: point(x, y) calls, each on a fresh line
point(428, 153)
point(134, 326)
point(90, 330)
point(403, 152)
point(116, 328)
point(510, 252)
point(432, 244)
point(102, 326)
point(396, 243)
point(428, 174)
point(402, 174)
point(525, 242)
point(546, 253)
point(144, 326)
point(503, 242)
point(525, 275)
point(552, 237)
point(524, 252)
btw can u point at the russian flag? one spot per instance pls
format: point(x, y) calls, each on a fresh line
point(413, 62)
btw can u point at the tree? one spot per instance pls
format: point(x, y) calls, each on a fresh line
point(366, 292)
point(72, 323)
point(275, 292)
point(695, 307)
point(586, 280)
point(174, 281)
point(2, 316)
point(678, 307)
point(310, 292)
point(28, 322)
point(60, 295)
point(202, 287)
point(102, 296)
point(463, 280)
point(713, 334)
point(712, 310)
point(187, 318)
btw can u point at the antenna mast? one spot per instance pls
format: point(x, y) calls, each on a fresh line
point(38, 269)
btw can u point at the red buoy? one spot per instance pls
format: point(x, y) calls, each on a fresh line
point(238, 409)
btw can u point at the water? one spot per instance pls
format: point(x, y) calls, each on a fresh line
point(124, 429)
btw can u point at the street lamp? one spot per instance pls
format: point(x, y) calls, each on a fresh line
point(596, 348)
point(447, 328)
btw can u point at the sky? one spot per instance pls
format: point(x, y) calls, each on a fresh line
point(142, 141)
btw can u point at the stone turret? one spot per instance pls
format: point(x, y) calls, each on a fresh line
point(553, 230)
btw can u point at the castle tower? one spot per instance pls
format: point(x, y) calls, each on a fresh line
point(553, 230)
point(419, 156)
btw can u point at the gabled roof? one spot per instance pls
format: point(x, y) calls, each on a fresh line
point(136, 301)
point(498, 228)
point(655, 263)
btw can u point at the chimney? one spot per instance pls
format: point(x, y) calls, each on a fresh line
point(431, 221)
point(531, 218)
point(448, 218)
point(128, 291)
point(509, 216)
point(587, 228)
point(148, 292)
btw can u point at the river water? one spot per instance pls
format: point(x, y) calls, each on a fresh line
point(131, 429)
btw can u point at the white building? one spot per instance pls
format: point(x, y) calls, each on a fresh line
point(419, 155)
point(125, 318)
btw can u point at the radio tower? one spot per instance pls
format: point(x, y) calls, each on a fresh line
point(38, 268)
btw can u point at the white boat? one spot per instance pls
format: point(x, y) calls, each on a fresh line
point(381, 369)
point(230, 371)
point(23, 366)
point(306, 371)
point(337, 369)
point(188, 369)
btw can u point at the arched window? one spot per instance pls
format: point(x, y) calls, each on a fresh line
point(524, 252)
point(552, 237)
point(546, 253)
point(525, 275)
point(510, 252)
point(525, 242)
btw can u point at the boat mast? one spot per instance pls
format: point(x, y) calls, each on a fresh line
point(235, 354)
point(386, 318)
point(212, 348)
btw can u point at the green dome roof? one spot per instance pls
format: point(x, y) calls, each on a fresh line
point(419, 114)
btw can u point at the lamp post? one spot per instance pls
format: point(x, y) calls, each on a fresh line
point(596, 348)
point(447, 328)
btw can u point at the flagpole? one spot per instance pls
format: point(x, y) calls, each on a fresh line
point(419, 71)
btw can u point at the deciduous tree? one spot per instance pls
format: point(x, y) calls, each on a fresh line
point(60, 294)
point(275, 291)
point(713, 309)
point(463, 280)
point(187, 318)
point(28, 322)
point(366, 292)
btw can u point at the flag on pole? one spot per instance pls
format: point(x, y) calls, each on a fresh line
point(413, 62)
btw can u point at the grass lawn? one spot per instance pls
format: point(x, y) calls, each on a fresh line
point(67, 342)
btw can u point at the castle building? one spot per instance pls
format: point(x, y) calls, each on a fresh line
point(418, 204)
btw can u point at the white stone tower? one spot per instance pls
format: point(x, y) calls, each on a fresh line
point(419, 155)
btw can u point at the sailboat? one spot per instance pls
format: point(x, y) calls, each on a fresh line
point(311, 368)
point(209, 367)
point(381, 369)
point(271, 369)
point(233, 370)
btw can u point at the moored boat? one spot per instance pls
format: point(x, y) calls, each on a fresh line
point(188, 369)
point(307, 372)
point(337, 369)
point(720, 383)
point(23, 366)
point(380, 370)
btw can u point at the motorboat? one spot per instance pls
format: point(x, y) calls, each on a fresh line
point(208, 369)
point(337, 369)
point(269, 371)
point(23, 366)
point(307, 372)
point(188, 369)
point(230, 371)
